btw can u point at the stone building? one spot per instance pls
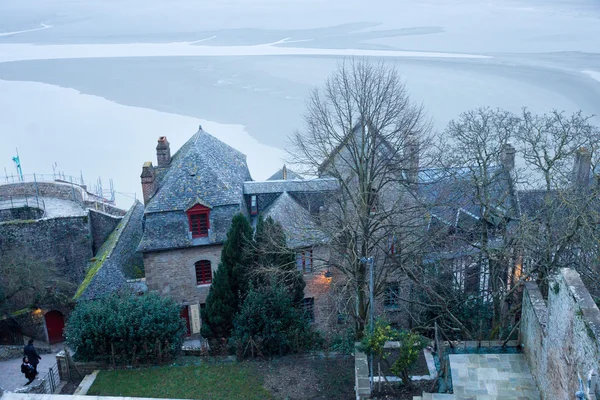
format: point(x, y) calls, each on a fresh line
point(52, 229)
point(190, 199)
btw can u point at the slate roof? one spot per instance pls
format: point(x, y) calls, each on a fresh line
point(110, 270)
point(279, 175)
point(296, 185)
point(204, 168)
point(206, 171)
point(451, 194)
point(300, 228)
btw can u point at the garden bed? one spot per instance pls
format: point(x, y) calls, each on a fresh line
point(419, 368)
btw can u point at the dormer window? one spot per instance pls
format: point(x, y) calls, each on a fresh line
point(253, 205)
point(199, 220)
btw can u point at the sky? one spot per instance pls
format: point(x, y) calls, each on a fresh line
point(90, 85)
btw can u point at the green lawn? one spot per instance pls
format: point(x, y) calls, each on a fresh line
point(214, 381)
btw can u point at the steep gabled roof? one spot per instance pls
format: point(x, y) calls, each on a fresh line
point(117, 258)
point(299, 227)
point(284, 174)
point(451, 194)
point(204, 168)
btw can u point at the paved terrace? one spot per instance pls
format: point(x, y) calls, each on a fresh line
point(488, 377)
point(54, 207)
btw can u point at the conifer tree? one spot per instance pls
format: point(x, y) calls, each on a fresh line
point(228, 285)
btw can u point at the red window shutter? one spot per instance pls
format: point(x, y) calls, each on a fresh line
point(199, 219)
point(203, 272)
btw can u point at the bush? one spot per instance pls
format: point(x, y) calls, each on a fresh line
point(126, 329)
point(411, 344)
point(269, 324)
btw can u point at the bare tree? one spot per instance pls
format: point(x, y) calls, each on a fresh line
point(472, 203)
point(362, 129)
point(27, 282)
point(560, 207)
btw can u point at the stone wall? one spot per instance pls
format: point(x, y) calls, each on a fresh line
point(319, 287)
point(102, 226)
point(45, 189)
point(60, 243)
point(561, 339)
point(172, 273)
point(22, 213)
point(56, 249)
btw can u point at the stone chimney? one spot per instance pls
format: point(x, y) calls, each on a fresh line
point(148, 181)
point(163, 152)
point(284, 172)
point(507, 157)
point(411, 158)
point(582, 167)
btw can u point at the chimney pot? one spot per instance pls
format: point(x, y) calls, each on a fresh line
point(507, 158)
point(163, 152)
point(582, 167)
point(148, 181)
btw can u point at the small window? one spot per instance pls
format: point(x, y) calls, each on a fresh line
point(392, 245)
point(203, 272)
point(374, 200)
point(253, 205)
point(304, 261)
point(392, 296)
point(199, 220)
point(308, 306)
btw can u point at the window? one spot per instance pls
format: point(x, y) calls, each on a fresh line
point(253, 205)
point(392, 244)
point(374, 200)
point(203, 272)
point(392, 296)
point(304, 261)
point(308, 306)
point(199, 220)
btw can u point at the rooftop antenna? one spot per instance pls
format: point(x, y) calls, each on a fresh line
point(17, 162)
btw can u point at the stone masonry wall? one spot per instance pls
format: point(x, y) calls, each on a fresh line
point(102, 226)
point(21, 213)
point(61, 246)
point(561, 341)
point(319, 288)
point(46, 189)
point(172, 273)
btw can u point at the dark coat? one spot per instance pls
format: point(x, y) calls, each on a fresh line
point(32, 354)
point(28, 370)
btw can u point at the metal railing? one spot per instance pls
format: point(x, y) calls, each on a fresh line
point(94, 192)
point(41, 178)
point(11, 202)
point(50, 381)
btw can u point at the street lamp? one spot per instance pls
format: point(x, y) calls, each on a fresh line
point(369, 260)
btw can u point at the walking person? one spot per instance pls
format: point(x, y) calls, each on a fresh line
point(28, 370)
point(32, 355)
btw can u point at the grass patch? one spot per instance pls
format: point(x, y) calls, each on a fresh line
point(208, 381)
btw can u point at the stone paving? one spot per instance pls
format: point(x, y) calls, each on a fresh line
point(11, 377)
point(489, 377)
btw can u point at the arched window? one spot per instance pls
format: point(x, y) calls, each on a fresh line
point(203, 272)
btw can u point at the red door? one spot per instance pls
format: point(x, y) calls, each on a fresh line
point(55, 325)
point(185, 314)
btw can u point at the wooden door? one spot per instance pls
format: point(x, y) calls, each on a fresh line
point(55, 325)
